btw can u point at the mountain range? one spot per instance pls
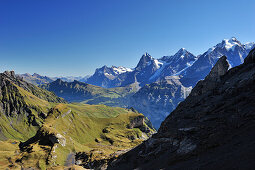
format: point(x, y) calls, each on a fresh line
point(191, 68)
point(158, 84)
point(37, 79)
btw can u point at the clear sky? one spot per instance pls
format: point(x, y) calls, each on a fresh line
point(74, 37)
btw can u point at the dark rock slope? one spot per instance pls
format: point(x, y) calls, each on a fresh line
point(213, 128)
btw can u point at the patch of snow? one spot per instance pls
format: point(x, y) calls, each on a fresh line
point(158, 63)
point(120, 70)
point(107, 74)
point(249, 45)
point(230, 65)
point(158, 72)
point(230, 44)
point(241, 57)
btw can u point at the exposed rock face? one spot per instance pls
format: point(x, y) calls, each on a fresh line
point(137, 122)
point(12, 101)
point(17, 104)
point(220, 68)
point(158, 99)
point(213, 128)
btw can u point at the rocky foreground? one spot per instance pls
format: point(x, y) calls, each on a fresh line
point(213, 128)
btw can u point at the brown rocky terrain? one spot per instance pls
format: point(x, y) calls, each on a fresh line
point(213, 128)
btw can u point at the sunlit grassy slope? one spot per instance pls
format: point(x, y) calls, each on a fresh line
point(38, 132)
point(97, 130)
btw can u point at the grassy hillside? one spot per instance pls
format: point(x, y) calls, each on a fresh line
point(36, 131)
point(96, 132)
point(23, 107)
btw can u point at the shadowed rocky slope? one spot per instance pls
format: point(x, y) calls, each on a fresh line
point(212, 129)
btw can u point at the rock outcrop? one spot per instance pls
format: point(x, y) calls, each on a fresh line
point(213, 128)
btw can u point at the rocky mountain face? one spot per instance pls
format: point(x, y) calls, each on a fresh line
point(212, 128)
point(157, 99)
point(107, 76)
point(22, 106)
point(175, 64)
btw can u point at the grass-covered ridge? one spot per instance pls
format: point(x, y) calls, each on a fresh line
point(37, 131)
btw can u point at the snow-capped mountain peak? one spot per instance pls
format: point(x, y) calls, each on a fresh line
point(229, 44)
point(120, 69)
point(182, 54)
point(182, 51)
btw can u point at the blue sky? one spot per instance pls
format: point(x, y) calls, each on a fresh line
point(74, 37)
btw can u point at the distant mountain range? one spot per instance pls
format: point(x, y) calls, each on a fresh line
point(191, 68)
point(154, 87)
point(37, 79)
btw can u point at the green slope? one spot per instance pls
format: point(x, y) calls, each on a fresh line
point(37, 131)
point(23, 107)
